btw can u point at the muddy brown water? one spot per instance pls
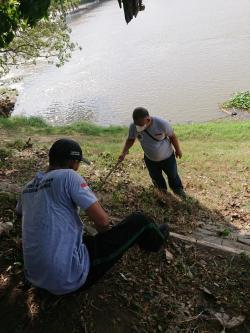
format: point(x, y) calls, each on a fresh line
point(177, 58)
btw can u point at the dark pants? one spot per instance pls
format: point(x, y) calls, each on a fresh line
point(105, 249)
point(169, 167)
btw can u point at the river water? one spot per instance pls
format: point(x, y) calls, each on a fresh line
point(178, 58)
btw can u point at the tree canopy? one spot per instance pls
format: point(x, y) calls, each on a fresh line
point(31, 29)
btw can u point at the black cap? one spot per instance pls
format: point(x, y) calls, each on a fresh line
point(66, 149)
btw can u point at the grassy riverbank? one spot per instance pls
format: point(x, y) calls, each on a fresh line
point(214, 167)
point(142, 294)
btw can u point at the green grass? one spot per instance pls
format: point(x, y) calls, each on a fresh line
point(240, 100)
point(204, 145)
point(214, 166)
point(38, 125)
point(14, 123)
point(219, 130)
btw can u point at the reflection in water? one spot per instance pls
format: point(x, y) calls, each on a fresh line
point(178, 59)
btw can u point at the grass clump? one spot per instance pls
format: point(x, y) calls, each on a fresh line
point(240, 100)
point(4, 153)
point(17, 144)
point(22, 123)
point(37, 125)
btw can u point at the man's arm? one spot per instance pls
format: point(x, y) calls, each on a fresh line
point(83, 197)
point(98, 215)
point(169, 132)
point(128, 144)
point(174, 140)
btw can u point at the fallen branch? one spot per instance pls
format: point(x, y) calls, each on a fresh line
point(209, 244)
point(190, 319)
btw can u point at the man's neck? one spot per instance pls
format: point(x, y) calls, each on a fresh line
point(52, 168)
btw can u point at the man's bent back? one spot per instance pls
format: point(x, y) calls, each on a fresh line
point(55, 257)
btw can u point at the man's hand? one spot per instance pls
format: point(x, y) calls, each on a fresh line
point(178, 153)
point(128, 144)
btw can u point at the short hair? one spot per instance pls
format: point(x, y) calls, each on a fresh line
point(140, 113)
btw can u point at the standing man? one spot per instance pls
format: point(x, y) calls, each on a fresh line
point(56, 255)
point(157, 139)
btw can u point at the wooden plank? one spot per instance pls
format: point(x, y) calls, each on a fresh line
point(92, 231)
point(209, 244)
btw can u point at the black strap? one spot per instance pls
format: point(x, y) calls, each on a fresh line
point(152, 137)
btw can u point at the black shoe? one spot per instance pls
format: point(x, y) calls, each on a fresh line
point(181, 193)
point(164, 230)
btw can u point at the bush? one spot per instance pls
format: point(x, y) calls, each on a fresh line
point(4, 153)
point(240, 100)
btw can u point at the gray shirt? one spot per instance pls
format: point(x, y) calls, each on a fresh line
point(159, 129)
point(55, 257)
